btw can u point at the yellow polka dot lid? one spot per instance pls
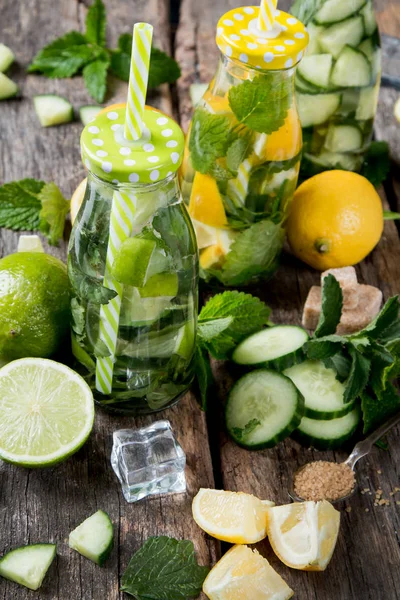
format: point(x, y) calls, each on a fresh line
point(109, 155)
point(279, 46)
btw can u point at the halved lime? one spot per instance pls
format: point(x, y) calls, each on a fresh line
point(29, 243)
point(47, 412)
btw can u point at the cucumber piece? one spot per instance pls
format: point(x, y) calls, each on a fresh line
point(8, 88)
point(346, 162)
point(304, 87)
point(349, 103)
point(263, 408)
point(368, 15)
point(368, 103)
point(52, 110)
point(316, 70)
point(279, 347)
point(28, 565)
point(315, 110)
point(343, 138)
point(334, 38)
point(334, 11)
point(330, 434)
point(313, 45)
point(196, 92)
point(323, 393)
point(94, 537)
point(6, 57)
point(367, 47)
point(88, 113)
point(352, 69)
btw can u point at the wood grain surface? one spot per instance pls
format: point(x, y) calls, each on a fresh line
point(45, 505)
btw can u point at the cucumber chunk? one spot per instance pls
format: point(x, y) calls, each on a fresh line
point(6, 57)
point(347, 162)
point(316, 69)
point(52, 110)
point(315, 110)
point(8, 88)
point(93, 538)
point(334, 11)
point(323, 393)
point(349, 103)
point(263, 408)
point(313, 46)
point(304, 87)
point(343, 138)
point(330, 434)
point(196, 92)
point(279, 346)
point(352, 69)
point(368, 103)
point(88, 113)
point(334, 38)
point(367, 47)
point(28, 565)
point(368, 15)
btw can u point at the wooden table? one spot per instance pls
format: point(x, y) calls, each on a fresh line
point(45, 505)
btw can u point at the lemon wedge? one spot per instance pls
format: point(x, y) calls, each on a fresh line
point(303, 535)
point(231, 516)
point(243, 574)
point(206, 203)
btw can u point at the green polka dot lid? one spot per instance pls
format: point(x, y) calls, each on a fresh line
point(111, 157)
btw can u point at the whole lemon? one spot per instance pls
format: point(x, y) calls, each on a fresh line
point(34, 305)
point(335, 220)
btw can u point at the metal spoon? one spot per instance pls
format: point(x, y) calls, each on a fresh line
point(360, 449)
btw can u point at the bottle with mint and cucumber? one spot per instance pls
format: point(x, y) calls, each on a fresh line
point(337, 83)
point(243, 149)
point(133, 267)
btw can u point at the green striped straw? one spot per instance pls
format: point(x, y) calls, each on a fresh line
point(123, 205)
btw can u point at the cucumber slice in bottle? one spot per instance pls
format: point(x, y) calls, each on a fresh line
point(352, 69)
point(313, 46)
point(315, 110)
point(334, 38)
point(6, 57)
point(316, 69)
point(279, 347)
point(323, 393)
point(368, 103)
point(196, 92)
point(337, 160)
point(28, 565)
point(52, 110)
point(334, 11)
point(94, 537)
point(343, 138)
point(330, 434)
point(304, 87)
point(367, 47)
point(349, 103)
point(263, 408)
point(8, 88)
point(88, 113)
point(368, 15)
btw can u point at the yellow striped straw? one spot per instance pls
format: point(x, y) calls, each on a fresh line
point(266, 16)
point(138, 78)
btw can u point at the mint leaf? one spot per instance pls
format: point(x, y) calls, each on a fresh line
point(331, 311)
point(95, 76)
point(388, 215)
point(204, 376)
point(164, 569)
point(340, 363)
point(261, 104)
point(241, 434)
point(387, 317)
point(90, 289)
point(73, 38)
point(376, 164)
point(358, 377)
point(208, 139)
point(326, 347)
point(19, 204)
point(237, 152)
point(62, 62)
point(163, 69)
point(304, 10)
point(208, 330)
point(377, 408)
point(96, 23)
point(54, 210)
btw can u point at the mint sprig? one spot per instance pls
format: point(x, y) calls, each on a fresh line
point(332, 304)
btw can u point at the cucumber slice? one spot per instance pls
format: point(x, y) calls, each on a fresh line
point(8, 88)
point(313, 46)
point(88, 113)
point(330, 434)
point(279, 347)
point(323, 393)
point(347, 162)
point(352, 69)
point(315, 110)
point(6, 57)
point(304, 87)
point(367, 47)
point(343, 138)
point(196, 92)
point(368, 104)
point(368, 15)
point(316, 70)
point(334, 11)
point(263, 408)
point(334, 38)
point(349, 103)
point(28, 565)
point(52, 110)
point(93, 538)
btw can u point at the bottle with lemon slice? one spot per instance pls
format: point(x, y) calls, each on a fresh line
point(243, 149)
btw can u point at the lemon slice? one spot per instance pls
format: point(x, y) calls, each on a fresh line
point(243, 574)
point(206, 203)
point(303, 535)
point(231, 516)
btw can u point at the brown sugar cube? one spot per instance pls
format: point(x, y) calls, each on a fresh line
point(312, 308)
point(369, 304)
point(347, 279)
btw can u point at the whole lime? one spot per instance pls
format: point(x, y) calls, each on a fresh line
point(34, 305)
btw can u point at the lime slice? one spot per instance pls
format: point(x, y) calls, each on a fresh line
point(137, 311)
point(162, 284)
point(132, 261)
point(47, 412)
point(185, 340)
point(29, 243)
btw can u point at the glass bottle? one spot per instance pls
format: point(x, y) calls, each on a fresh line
point(337, 84)
point(150, 286)
point(243, 149)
